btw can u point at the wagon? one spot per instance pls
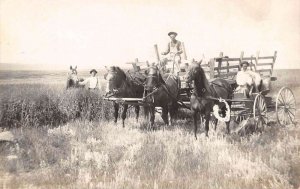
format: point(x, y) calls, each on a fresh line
point(260, 106)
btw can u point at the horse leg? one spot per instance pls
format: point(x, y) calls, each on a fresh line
point(228, 122)
point(215, 123)
point(116, 113)
point(146, 112)
point(207, 117)
point(125, 107)
point(171, 109)
point(152, 116)
point(227, 127)
point(164, 115)
point(137, 113)
point(194, 113)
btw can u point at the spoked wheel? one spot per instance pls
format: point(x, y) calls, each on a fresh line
point(285, 106)
point(260, 111)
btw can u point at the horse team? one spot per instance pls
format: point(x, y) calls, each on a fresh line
point(162, 90)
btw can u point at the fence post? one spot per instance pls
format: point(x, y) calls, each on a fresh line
point(212, 68)
point(157, 53)
point(241, 59)
point(220, 63)
point(274, 59)
point(184, 52)
point(257, 57)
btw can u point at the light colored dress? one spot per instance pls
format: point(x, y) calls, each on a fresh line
point(247, 79)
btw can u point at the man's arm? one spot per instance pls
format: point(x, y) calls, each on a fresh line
point(84, 82)
point(179, 48)
point(167, 50)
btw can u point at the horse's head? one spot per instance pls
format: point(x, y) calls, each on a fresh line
point(153, 78)
point(194, 70)
point(115, 79)
point(73, 78)
point(73, 71)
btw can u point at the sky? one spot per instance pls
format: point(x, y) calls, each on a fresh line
point(55, 34)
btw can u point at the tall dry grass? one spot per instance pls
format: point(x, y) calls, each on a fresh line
point(36, 105)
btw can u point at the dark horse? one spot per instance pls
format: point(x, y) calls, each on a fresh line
point(122, 85)
point(73, 80)
point(162, 91)
point(200, 103)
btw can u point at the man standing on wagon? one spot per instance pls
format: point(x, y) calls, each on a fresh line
point(174, 49)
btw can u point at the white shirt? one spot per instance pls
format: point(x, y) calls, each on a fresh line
point(91, 81)
point(247, 77)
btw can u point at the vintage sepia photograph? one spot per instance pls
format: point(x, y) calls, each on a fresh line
point(150, 94)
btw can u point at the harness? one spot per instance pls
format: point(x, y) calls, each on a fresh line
point(134, 79)
point(212, 93)
point(124, 85)
point(164, 87)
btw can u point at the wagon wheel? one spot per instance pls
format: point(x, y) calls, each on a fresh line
point(285, 106)
point(260, 111)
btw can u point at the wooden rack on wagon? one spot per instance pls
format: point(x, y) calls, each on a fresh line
point(260, 104)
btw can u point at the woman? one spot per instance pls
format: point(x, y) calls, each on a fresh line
point(247, 80)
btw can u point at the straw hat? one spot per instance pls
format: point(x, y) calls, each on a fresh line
point(93, 70)
point(172, 33)
point(244, 62)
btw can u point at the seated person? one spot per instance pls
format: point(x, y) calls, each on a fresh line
point(247, 80)
point(172, 53)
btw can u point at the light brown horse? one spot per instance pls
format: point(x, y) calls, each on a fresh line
point(73, 80)
point(122, 85)
point(200, 102)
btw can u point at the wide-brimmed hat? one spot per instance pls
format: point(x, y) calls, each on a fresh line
point(172, 33)
point(93, 70)
point(244, 62)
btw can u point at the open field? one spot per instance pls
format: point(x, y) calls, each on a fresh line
point(66, 139)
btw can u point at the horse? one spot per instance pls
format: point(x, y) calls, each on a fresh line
point(162, 91)
point(200, 101)
point(122, 85)
point(73, 80)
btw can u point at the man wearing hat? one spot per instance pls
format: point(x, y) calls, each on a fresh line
point(91, 82)
point(247, 79)
point(174, 49)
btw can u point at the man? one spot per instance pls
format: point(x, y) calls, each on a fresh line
point(92, 82)
point(247, 80)
point(174, 50)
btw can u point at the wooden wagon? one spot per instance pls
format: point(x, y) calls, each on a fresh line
point(257, 106)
